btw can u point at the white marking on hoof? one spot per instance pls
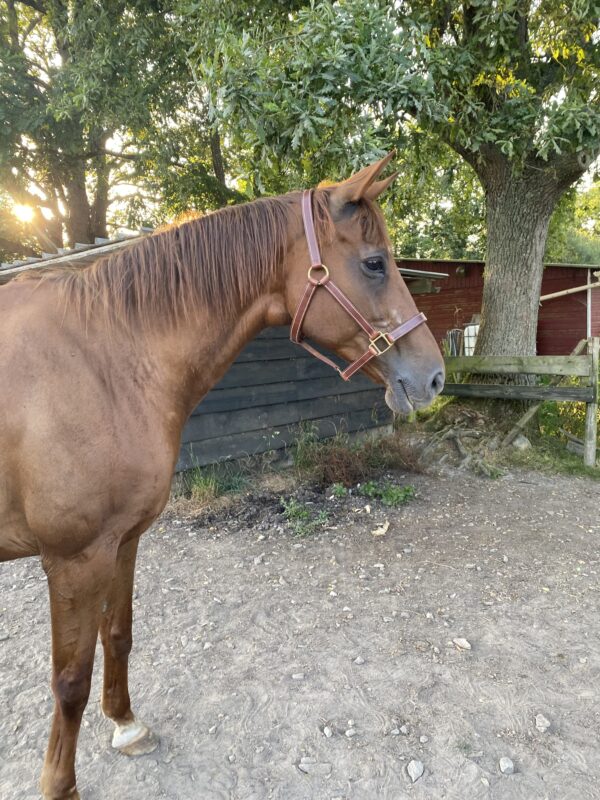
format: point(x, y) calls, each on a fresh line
point(134, 739)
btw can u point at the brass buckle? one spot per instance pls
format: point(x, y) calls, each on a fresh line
point(318, 281)
point(376, 348)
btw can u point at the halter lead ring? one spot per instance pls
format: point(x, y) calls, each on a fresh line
point(379, 341)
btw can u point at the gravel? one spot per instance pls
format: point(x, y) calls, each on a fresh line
point(415, 769)
point(506, 766)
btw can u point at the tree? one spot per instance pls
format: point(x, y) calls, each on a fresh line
point(72, 75)
point(94, 102)
point(511, 86)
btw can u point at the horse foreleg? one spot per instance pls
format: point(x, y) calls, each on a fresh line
point(131, 736)
point(77, 587)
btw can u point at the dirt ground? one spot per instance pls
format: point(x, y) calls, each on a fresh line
point(247, 639)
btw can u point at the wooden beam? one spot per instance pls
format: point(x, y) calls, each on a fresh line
point(573, 290)
point(525, 365)
point(508, 391)
point(591, 412)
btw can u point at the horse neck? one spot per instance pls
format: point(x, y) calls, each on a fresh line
point(196, 354)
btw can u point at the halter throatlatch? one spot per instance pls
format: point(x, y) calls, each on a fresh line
point(318, 275)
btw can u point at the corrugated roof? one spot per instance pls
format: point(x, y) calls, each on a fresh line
point(83, 254)
point(80, 255)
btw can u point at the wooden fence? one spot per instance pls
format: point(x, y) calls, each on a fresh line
point(585, 367)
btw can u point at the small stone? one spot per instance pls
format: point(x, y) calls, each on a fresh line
point(259, 559)
point(311, 767)
point(462, 644)
point(359, 660)
point(542, 723)
point(4, 635)
point(506, 766)
point(404, 730)
point(298, 676)
point(327, 731)
point(423, 739)
point(395, 732)
point(415, 769)
point(231, 758)
point(521, 443)
point(207, 645)
point(351, 732)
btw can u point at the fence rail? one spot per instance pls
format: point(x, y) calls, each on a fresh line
point(585, 367)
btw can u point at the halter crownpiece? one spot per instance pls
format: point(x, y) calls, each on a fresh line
point(318, 275)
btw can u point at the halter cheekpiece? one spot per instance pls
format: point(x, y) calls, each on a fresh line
point(318, 275)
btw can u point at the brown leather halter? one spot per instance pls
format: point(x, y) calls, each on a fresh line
point(379, 342)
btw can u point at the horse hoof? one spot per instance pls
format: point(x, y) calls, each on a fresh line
point(134, 739)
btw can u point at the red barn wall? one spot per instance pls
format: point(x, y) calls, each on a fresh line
point(562, 322)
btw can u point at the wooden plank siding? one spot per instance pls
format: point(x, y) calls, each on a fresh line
point(269, 390)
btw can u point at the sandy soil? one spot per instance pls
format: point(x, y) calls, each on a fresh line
point(247, 636)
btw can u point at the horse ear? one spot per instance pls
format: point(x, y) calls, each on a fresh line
point(362, 183)
point(379, 187)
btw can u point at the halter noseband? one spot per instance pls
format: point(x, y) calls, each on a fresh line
point(379, 342)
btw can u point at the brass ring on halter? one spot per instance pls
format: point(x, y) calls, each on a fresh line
point(318, 281)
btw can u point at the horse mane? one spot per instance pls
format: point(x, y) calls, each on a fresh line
point(222, 261)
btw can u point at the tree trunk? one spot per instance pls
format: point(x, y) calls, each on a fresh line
point(518, 215)
point(519, 208)
point(217, 157)
point(99, 207)
point(78, 222)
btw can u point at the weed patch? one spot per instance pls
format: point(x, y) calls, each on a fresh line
point(205, 484)
point(390, 494)
point(301, 520)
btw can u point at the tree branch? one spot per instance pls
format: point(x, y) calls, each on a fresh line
point(13, 26)
point(33, 23)
point(37, 5)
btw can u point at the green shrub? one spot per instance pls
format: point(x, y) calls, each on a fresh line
point(390, 494)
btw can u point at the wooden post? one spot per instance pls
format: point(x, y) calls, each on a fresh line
point(591, 410)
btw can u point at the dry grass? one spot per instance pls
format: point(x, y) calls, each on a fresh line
point(341, 461)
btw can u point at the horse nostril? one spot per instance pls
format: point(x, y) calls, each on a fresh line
point(437, 382)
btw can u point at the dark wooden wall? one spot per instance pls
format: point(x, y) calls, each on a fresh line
point(267, 392)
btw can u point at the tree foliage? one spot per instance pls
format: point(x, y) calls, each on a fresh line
point(95, 109)
point(511, 86)
point(343, 77)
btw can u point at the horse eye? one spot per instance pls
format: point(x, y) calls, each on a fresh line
point(375, 264)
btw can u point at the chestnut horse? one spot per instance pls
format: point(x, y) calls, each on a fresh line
point(100, 369)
